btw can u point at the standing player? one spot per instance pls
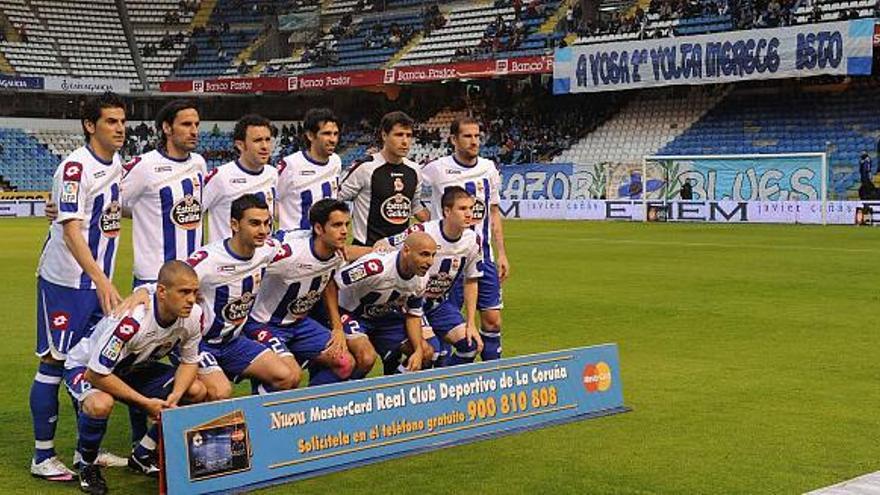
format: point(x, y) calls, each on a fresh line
point(230, 273)
point(74, 287)
point(308, 176)
point(292, 286)
point(382, 297)
point(247, 174)
point(119, 362)
point(163, 191)
point(479, 177)
point(458, 257)
point(385, 187)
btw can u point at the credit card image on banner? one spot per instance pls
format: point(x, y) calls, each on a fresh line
point(219, 447)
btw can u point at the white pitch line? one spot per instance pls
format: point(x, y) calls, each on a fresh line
point(702, 244)
point(868, 484)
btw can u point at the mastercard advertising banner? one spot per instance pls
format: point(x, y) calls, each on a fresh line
point(259, 440)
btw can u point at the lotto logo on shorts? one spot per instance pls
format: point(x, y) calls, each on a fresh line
point(597, 377)
point(60, 321)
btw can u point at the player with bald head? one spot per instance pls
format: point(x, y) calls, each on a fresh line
point(458, 259)
point(120, 362)
point(381, 296)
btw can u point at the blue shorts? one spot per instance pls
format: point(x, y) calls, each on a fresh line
point(444, 318)
point(153, 380)
point(386, 334)
point(64, 316)
point(232, 357)
point(488, 290)
point(305, 339)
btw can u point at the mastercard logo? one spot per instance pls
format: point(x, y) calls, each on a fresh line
point(597, 377)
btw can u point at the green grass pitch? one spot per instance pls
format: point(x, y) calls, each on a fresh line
point(749, 356)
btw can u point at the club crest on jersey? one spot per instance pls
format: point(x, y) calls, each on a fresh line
point(361, 271)
point(479, 209)
point(187, 213)
point(110, 219)
point(396, 209)
point(126, 328)
point(236, 311)
point(59, 320)
point(264, 336)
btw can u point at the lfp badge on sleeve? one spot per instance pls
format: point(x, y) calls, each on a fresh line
point(259, 440)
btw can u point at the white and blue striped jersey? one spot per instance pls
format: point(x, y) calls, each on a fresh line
point(85, 188)
point(227, 183)
point(373, 288)
point(455, 258)
point(119, 345)
point(481, 180)
point(294, 284)
point(165, 197)
point(229, 284)
point(302, 182)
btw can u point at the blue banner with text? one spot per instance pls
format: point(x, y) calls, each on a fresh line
point(843, 48)
point(258, 440)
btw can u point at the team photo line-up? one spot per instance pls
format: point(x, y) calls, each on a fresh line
point(276, 288)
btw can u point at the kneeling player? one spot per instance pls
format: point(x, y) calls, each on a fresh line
point(382, 296)
point(119, 362)
point(458, 255)
point(230, 272)
point(290, 289)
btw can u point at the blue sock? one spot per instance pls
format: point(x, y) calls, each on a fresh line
point(462, 353)
point(44, 409)
point(260, 388)
point(491, 345)
point(393, 362)
point(91, 432)
point(147, 444)
point(443, 357)
point(438, 359)
point(138, 420)
point(322, 375)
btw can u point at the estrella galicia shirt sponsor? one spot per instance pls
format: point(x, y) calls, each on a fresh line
point(385, 196)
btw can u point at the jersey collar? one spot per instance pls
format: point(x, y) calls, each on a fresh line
point(461, 164)
point(178, 160)
point(312, 160)
point(315, 253)
point(232, 253)
point(98, 158)
point(443, 234)
point(246, 170)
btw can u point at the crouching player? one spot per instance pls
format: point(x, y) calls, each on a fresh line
point(381, 295)
point(291, 288)
point(458, 255)
point(119, 362)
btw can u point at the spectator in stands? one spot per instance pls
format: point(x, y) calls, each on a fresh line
point(22, 34)
point(866, 168)
point(816, 13)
